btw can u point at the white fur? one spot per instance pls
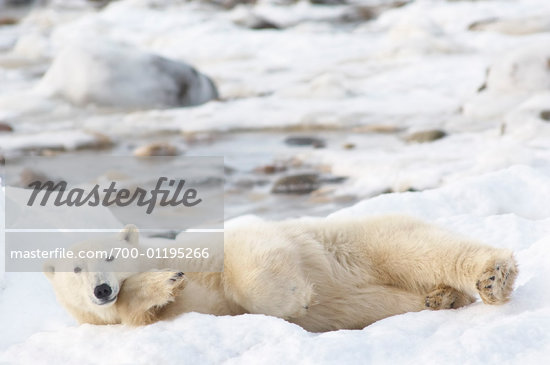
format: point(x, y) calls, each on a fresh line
point(323, 274)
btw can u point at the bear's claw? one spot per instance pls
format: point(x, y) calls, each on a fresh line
point(177, 276)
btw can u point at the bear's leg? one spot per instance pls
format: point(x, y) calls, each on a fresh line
point(360, 307)
point(143, 296)
point(426, 259)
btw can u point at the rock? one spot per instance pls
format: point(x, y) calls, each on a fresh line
point(303, 183)
point(545, 115)
point(228, 170)
point(426, 136)
point(481, 24)
point(115, 75)
point(229, 4)
point(8, 21)
point(157, 149)
point(332, 179)
point(359, 13)
point(305, 141)
point(256, 22)
point(378, 128)
point(348, 146)
point(270, 169)
point(249, 183)
point(28, 176)
point(364, 12)
point(328, 2)
point(99, 142)
point(296, 184)
point(4, 127)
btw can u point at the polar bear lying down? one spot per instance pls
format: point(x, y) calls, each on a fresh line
point(323, 275)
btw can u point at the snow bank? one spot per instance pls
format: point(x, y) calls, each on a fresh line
point(525, 69)
point(511, 79)
point(56, 140)
point(514, 26)
point(112, 74)
point(508, 208)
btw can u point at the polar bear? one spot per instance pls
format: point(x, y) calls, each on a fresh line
point(322, 274)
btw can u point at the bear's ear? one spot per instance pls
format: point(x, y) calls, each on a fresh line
point(49, 269)
point(130, 234)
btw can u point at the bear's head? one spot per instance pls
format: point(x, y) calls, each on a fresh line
point(90, 281)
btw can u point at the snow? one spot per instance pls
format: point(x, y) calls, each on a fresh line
point(113, 74)
point(413, 68)
point(68, 140)
point(508, 208)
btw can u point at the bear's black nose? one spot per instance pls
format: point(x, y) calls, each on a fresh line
point(102, 291)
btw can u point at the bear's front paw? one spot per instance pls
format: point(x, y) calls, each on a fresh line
point(162, 286)
point(446, 297)
point(143, 295)
point(496, 282)
point(170, 283)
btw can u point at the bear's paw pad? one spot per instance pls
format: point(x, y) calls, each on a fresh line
point(496, 282)
point(446, 297)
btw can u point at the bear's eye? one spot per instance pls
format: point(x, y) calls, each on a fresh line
point(77, 270)
point(110, 258)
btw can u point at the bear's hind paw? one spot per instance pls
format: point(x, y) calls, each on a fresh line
point(446, 297)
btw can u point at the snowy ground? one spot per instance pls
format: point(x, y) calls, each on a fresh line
point(509, 208)
point(414, 68)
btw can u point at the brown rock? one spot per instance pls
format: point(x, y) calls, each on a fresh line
point(481, 24)
point(157, 149)
point(28, 176)
point(101, 141)
point(425, 136)
point(349, 146)
point(296, 184)
point(378, 128)
point(270, 169)
point(8, 21)
point(4, 127)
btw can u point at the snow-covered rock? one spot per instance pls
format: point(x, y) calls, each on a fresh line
point(110, 74)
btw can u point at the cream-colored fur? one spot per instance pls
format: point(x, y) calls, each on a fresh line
point(325, 274)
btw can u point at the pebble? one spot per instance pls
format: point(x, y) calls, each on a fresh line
point(425, 136)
